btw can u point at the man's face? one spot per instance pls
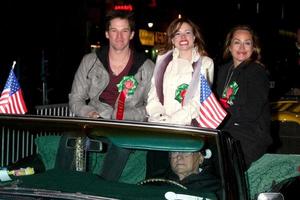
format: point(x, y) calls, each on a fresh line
point(184, 164)
point(119, 34)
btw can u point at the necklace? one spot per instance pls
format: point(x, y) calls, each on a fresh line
point(117, 66)
point(228, 77)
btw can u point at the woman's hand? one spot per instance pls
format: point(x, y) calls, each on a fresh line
point(93, 114)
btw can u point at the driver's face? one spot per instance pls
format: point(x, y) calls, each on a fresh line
point(183, 163)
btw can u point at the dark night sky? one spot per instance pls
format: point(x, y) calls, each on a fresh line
point(30, 27)
point(59, 28)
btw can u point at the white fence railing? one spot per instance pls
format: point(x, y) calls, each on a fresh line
point(16, 143)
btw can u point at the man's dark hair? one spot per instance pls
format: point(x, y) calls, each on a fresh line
point(122, 15)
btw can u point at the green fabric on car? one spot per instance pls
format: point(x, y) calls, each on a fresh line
point(269, 170)
point(134, 171)
point(88, 183)
point(47, 148)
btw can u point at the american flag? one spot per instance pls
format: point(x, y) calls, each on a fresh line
point(11, 100)
point(211, 112)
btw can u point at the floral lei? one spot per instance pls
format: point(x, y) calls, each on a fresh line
point(229, 94)
point(127, 86)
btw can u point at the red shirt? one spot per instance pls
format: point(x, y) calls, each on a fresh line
point(110, 93)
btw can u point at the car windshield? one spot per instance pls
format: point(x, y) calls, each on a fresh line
point(165, 160)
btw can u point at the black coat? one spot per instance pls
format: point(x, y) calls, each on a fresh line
point(204, 181)
point(249, 115)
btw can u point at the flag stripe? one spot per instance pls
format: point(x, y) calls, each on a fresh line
point(2, 109)
point(210, 106)
point(206, 119)
point(209, 116)
point(218, 110)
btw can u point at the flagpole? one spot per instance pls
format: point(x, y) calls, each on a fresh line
point(14, 63)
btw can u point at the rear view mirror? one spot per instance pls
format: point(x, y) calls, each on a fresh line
point(270, 196)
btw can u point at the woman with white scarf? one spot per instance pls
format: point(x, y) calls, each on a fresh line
point(175, 88)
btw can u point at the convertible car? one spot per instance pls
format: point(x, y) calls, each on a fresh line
point(271, 177)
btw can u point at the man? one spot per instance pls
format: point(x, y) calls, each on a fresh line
point(187, 169)
point(99, 74)
point(112, 83)
point(190, 170)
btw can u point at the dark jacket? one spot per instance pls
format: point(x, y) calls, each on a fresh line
point(249, 114)
point(204, 181)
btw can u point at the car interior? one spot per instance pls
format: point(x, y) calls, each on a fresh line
point(148, 161)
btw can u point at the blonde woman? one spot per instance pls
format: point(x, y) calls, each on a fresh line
point(243, 87)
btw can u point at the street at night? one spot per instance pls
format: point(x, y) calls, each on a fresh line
point(49, 38)
point(93, 107)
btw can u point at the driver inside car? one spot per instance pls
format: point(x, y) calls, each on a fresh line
point(190, 170)
point(186, 168)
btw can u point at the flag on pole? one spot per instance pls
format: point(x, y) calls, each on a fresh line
point(211, 112)
point(11, 100)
